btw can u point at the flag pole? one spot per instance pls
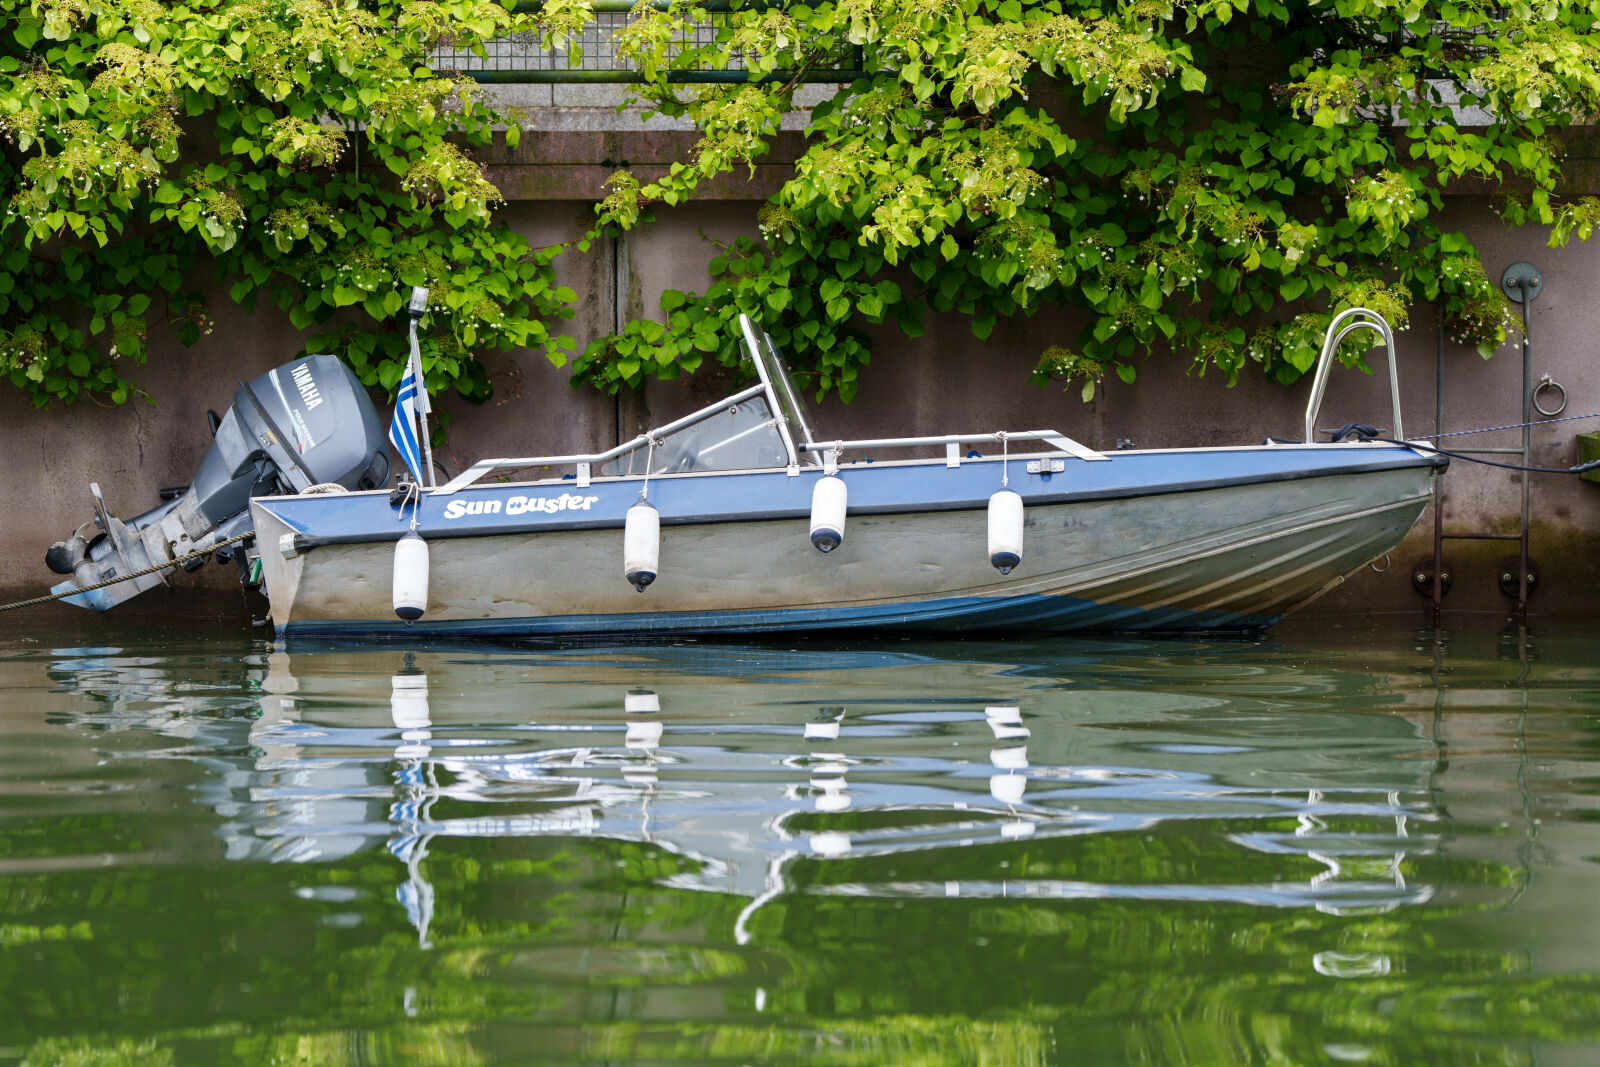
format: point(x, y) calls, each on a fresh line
point(417, 308)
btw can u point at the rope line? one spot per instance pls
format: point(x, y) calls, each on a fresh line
point(1507, 426)
point(196, 554)
point(1579, 468)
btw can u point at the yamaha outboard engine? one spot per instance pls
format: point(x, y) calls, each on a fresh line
point(307, 423)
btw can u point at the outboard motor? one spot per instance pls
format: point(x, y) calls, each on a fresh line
point(307, 423)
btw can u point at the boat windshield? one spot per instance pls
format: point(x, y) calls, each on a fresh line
point(774, 371)
point(742, 436)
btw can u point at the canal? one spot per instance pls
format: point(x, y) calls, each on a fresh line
point(1327, 846)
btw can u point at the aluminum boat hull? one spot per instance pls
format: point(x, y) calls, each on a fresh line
point(1187, 539)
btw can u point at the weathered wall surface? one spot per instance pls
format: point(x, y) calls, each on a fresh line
point(943, 382)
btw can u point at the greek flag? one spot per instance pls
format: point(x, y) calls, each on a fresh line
point(403, 428)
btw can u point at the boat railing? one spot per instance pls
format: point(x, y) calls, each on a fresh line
point(585, 463)
point(1358, 319)
point(953, 443)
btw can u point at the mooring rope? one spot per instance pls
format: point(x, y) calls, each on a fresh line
point(1507, 426)
point(1359, 432)
point(196, 554)
point(1577, 468)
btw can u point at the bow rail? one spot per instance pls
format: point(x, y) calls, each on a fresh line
point(1359, 319)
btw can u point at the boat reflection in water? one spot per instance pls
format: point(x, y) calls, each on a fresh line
point(1128, 849)
point(812, 757)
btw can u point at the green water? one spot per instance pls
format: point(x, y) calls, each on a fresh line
point(1322, 848)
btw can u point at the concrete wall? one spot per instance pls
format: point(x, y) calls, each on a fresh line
point(942, 382)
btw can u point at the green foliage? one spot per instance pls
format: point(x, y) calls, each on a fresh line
point(302, 150)
point(803, 305)
point(84, 1052)
point(1209, 179)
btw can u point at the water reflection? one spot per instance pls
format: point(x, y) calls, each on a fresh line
point(1056, 839)
point(743, 778)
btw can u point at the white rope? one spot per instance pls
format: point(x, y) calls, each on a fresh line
point(414, 498)
point(649, 461)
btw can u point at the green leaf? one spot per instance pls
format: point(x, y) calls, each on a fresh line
point(1191, 197)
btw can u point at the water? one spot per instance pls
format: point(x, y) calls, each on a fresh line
point(1318, 849)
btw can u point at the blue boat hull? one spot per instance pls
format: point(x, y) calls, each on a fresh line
point(1194, 539)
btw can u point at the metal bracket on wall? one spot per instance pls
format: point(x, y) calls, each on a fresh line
point(1521, 283)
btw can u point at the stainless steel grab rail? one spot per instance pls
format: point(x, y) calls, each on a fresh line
point(1049, 437)
point(1364, 319)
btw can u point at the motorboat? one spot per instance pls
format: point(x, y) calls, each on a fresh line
point(741, 518)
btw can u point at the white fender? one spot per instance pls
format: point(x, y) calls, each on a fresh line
point(408, 704)
point(1008, 788)
point(832, 794)
point(408, 701)
point(640, 700)
point(410, 577)
point(828, 500)
point(1006, 722)
point(830, 843)
point(1005, 530)
point(822, 731)
point(646, 734)
point(641, 545)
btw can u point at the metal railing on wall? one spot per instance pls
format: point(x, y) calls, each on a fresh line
point(590, 57)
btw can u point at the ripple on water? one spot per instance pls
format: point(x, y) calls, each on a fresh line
point(1079, 850)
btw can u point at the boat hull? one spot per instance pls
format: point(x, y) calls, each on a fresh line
point(1103, 550)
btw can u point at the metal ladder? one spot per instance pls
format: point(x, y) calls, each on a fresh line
point(1521, 283)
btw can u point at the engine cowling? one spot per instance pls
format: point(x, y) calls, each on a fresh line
point(308, 422)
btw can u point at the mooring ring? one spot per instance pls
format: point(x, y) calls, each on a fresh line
point(1547, 382)
point(1387, 563)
